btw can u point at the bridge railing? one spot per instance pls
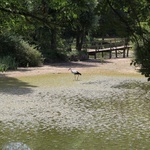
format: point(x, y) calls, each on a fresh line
point(119, 45)
point(100, 44)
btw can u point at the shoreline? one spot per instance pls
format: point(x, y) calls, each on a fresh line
point(118, 66)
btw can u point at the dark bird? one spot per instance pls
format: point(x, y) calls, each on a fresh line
point(75, 72)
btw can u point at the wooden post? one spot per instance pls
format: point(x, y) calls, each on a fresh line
point(96, 48)
point(128, 52)
point(95, 55)
point(115, 43)
point(124, 53)
point(116, 53)
point(110, 54)
point(102, 54)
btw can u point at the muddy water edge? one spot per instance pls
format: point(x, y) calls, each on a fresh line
point(53, 111)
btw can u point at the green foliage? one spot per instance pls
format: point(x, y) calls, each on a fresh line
point(132, 19)
point(55, 56)
point(46, 23)
point(6, 63)
point(142, 58)
point(77, 55)
point(27, 55)
point(73, 55)
point(23, 53)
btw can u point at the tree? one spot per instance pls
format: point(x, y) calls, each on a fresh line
point(41, 21)
point(35, 18)
point(109, 24)
point(84, 21)
point(134, 16)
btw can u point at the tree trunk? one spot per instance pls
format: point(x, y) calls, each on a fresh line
point(53, 40)
point(79, 40)
point(54, 36)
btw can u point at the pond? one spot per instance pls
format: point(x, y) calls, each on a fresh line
point(102, 112)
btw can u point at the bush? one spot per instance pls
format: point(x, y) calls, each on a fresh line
point(75, 55)
point(55, 56)
point(23, 53)
point(142, 58)
point(27, 55)
point(7, 63)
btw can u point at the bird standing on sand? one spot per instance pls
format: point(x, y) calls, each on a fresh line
point(75, 72)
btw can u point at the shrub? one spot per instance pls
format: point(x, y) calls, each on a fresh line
point(27, 55)
point(142, 58)
point(7, 62)
point(75, 55)
point(83, 55)
point(23, 53)
point(55, 56)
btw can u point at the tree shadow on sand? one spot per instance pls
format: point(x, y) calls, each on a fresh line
point(14, 86)
point(81, 64)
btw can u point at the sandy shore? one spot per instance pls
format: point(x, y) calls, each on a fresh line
point(68, 105)
point(119, 65)
point(98, 102)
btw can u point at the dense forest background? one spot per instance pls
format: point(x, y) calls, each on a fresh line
point(33, 32)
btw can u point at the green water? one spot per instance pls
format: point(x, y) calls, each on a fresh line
point(78, 140)
point(95, 118)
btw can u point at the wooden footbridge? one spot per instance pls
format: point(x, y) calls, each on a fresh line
point(118, 47)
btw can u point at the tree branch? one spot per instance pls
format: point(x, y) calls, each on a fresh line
point(122, 19)
point(27, 14)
